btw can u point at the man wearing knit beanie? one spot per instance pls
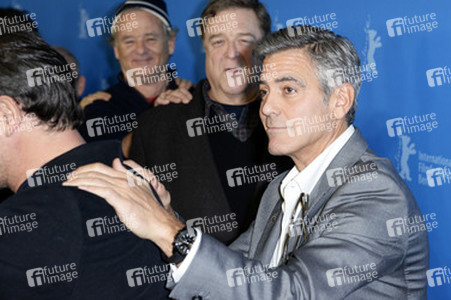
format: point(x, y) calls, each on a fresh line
point(143, 40)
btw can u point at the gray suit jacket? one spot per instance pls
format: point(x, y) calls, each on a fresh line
point(364, 239)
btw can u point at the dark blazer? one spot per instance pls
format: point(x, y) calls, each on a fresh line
point(162, 138)
point(352, 247)
point(122, 112)
point(46, 225)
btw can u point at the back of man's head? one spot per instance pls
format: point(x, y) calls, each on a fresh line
point(331, 54)
point(39, 80)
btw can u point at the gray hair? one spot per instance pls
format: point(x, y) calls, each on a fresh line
point(330, 53)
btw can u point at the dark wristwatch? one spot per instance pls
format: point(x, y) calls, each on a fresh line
point(183, 241)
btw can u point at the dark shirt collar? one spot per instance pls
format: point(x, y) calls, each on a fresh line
point(248, 120)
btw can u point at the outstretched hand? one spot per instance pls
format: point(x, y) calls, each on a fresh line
point(133, 199)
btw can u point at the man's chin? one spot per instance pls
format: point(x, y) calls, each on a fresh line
point(276, 151)
point(235, 91)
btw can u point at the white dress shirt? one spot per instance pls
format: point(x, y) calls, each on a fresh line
point(296, 182)
point(292, 186)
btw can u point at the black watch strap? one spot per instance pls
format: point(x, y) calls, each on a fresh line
point(175, 259)
point(183, 241)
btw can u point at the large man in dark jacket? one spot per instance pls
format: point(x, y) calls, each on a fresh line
point(58, 242)
point(216, 144)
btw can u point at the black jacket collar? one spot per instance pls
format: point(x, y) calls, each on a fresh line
point(55, 171)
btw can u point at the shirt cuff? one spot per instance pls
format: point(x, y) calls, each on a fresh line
point(178, 272)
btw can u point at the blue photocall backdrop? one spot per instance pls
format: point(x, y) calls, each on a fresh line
point(404, 103)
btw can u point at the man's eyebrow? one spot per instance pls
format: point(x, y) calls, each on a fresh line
point(244, 34)
point(247, 34)
point(215, 36)
point(125, 37)
point(149, 34)
point(290, 79)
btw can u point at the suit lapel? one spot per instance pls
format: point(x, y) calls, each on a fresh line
point(348, 156)
point(267, 224)
point(266, 246)
point(269, 217)
point(351, 153)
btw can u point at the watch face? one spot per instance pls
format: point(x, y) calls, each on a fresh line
point(184, 242)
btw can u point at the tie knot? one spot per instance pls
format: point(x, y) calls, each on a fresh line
point(291, 191)
point(291, 194)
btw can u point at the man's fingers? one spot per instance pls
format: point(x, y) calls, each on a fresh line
point(97, 168)
point(174, 98)
point(127, 144)
point(144, 172)
point(161, 102)
point(131, 164)
point(185, 94)
point(96, 96)
point(150, 177)
point(118, 166)
point(99, 96)
point(92, 179)
point(98, 176)
point(180, 95)
point(104, 96)
point(185, 83)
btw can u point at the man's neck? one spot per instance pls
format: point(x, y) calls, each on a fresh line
point(36, 149)
point(152, 90)
point(308, 155)
point(240, 99)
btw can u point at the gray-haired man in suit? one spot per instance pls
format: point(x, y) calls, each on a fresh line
point(338, 225)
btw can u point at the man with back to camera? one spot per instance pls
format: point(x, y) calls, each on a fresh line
point(26, 23)
point(328, 229)
point(57, 242)
point(216, 143)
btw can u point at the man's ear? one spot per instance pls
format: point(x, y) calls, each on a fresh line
point(116, 51)
point(171, 45)
point(10, 115)
point(81, 84)
point(342, 99)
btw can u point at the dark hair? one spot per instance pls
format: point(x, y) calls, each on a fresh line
point(214, 7)
point(329, 52)
point(53, 101)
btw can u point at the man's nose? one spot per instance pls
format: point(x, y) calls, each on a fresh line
point(268, 105)
point(141, 47)
point(232, 50)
